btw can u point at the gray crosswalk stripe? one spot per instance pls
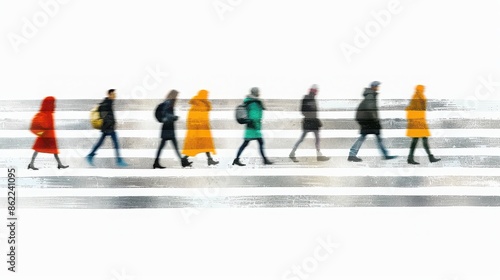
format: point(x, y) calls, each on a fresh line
point(467, 141)
point(343, 124)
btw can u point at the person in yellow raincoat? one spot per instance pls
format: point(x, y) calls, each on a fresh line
point(417, 124)
point(199, 137)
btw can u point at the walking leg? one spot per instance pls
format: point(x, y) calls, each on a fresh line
point(413, 145)
point(292, 153)
point(353, 152)
point(261, 148)
point(35, 154)
point(381, 147)
point(31, 165)
point(296, 146)
point(59, 163)
point(242, 147)
point(97, 145)
point(428, 150)
point(210, 160)
point(319, 155)
point(236, 161)
point(116, 144)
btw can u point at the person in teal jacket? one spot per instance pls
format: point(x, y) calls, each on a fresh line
point(253, 129)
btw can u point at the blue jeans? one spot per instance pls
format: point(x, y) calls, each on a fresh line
point(101, 140)
point(357, 145)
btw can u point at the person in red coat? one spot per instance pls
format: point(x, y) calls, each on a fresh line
point(43, 126)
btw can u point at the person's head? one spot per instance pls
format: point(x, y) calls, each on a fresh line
point(254, 92)
point(375, 85)
point(172, 95)
point(420, 89)
point(203, 94)
point(314, 90)
point(112, 94)
point(48, 104)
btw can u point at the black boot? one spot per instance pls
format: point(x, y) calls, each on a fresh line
point(267, 162)
point(185, 162)
point(237, 161)
point(60, 166)
point(411, 160)
point(354, 159)
point(31, 166)
point(433, 159)
point(211, 161)
point(157, 165)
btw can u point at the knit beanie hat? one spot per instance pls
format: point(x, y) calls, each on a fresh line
point(314, 89)
point(254, 91)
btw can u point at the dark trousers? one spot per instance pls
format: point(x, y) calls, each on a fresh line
point(414, 142)
point(162, 145)
point(245, 144)
point(114, 137)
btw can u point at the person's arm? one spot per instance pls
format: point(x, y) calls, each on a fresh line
point(372, 110)
point(303, 107)
point(167, 116)
point(105, 111)
point(251, 109)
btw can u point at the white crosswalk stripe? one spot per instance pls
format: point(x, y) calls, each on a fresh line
point(467, 176)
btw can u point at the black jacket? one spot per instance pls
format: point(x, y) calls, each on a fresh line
point(168, 128)
point(309, 109)
point(107, 115)
point(367, 113)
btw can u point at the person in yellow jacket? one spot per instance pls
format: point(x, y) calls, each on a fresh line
point(199, 137)
point(417, 124)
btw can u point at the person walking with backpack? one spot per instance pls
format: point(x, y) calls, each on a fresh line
point(199, 137)
point(108, 129)
point(417, 125)
point(165, 113)
point(310, 123)
point(253, 129)
point(367, 117)
point(43, 126)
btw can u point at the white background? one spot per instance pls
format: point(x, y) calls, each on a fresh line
point(371, 243)
point(282, 46)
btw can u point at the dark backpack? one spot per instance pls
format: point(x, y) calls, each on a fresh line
point(159, 112)
point(242, 113)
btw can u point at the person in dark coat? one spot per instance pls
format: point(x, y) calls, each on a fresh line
point(108, 129)
point(168, 130)
point(367, 117)
point(253, 130)
point(44, 128)
point(310, 123)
